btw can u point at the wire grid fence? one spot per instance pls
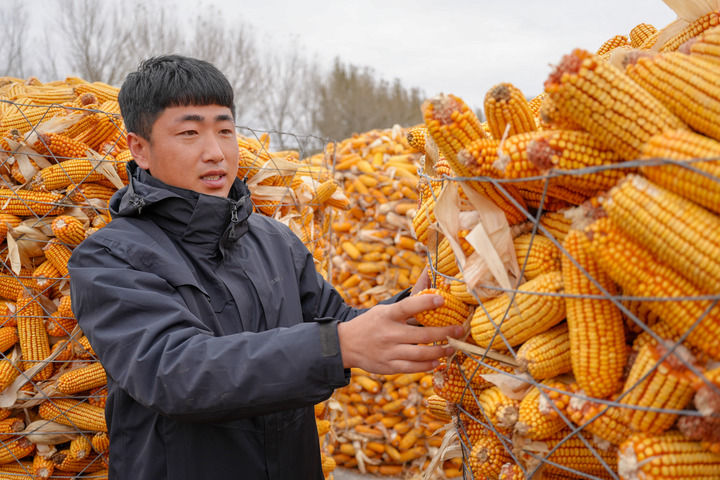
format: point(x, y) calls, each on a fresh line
point(39, 417)
point(534, 460)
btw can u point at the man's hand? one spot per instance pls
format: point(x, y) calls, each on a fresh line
point(381, 341)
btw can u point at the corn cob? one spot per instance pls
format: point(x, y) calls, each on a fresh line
point(581, 80)
point(474, 367)
point(537, 254)
point(10, 426)
point(507, 111)
point(497, 408)
point(682, 82)
point(45, 276)
point(69, 230)
point(707, 46)
point(450, 384)
point(59, 147)
point(487, 457)
point(458, 289)
point(58, 254)
point(546, 354)
point(518, 319)
point(98, 397)
point(472, 428)
point(640, 33)
point(612, 43)
point(439, 408)
point(478, 158)
point(452, 312)
point(6, 221)
point(68, 172)
point(664, 386)
point(83, 349)
point(551, 117)
point(8, 373)
point(538, 416)
point(556, 224)
point(81, 379)
point(443, 260)
point(644, 314)
point(657, 457)
point(595, 326)
point(26, 115)
point(416, 138)
point(100, 442)
point(8, 338)
point(648, 213)
point(49, 95)
point(574, 454)
point(454, 127)
point(562, 151)
point(74, 413)
point(706, 429)
point(66, 462)
point(695, 28)
point(42, 467)
point(102, 91)
point(25, 203)
point(86, 192)
point(15, 449)
point(33, 339)
point(81, 446)
point(635, 270)
point(511, 471)
point(605, 423)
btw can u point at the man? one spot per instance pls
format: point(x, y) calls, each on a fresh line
point(216, 332)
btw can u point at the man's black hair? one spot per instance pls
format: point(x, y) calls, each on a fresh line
point(170, 81)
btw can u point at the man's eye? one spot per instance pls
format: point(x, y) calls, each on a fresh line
point(227, 131)
point(188, 133)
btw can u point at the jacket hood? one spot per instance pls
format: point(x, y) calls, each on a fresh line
point(197, 218)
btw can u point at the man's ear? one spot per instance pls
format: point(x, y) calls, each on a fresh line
point(140, 150)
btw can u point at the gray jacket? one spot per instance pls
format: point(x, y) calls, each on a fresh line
point(216, 331)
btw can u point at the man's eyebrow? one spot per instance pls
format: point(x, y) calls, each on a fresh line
point(224, 118)
point(194, 117)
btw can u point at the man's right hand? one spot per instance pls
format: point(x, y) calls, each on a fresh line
point(381, 341)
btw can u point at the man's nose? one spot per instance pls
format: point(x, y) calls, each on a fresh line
point(212, 150)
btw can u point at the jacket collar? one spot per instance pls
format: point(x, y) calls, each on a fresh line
point(205, 220)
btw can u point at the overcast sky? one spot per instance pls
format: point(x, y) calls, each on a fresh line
point(457, 46)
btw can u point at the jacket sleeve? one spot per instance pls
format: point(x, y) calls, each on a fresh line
point(154, 348)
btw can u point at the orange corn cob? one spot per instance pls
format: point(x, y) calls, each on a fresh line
point(8, 373)
point(487, 457)
point(86, 192)
point(83, 349)
point(551, 117)
point(546, 354)
point(556, 224)
point(449, 383)
point(416, 138)
point(60, 147)
point(642, 311)
point(574, 454)
point(637, 272)
point(10, 426)
point(26, 115)
point(100, 442)
point(474, 367)
point(706, 46)
point(42, 467)
point(81, 446)
point(537, 417)
point(654, 457)
point(74, 413)
point(68, 172)
point(452, 312)
point(58, 254)
point(66, 462)
point(81, 379)
point(45, 276)
point(527, 315)
point(98, 397)
point(581, 79)
point(25, 203)
point(497, 408)
point(665, 386)
point(537, 254)
point(68, 229)
point(599, 420)
point(695, 28)
point(682, 82)
point(8, 338)
point(479, 157)
point(612, 43)
point(14, 450)
point(102, 91)
point(595, 326)
point(640, 33)
point(6, 221)
point(507, 111)
point(33, 339)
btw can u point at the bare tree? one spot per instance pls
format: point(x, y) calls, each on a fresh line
point(12, 39)
point(154, 33)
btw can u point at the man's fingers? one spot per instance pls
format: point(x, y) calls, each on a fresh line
point(423, 353)
point(411, 306)
point(431, 334)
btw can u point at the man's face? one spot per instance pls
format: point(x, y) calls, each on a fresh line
point(192, 147)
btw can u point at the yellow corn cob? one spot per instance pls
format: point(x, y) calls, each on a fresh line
point(439, 408)
point(479, 157)
point(546, 354)
point(83, 193)
point(416, 138)
point(443, 260)
point(582, 79)
point(10, 426)
point(8, 373)
point(102, 91)
point(609, 424)
point(670, 227)
point(66, 462)
point(474, 367)
point(7, 220)
point(58, 254)
point(612, 43)
point(68, 229)
point(48, 95)
point(42, 467)
point(423, 219)
point(556, 224)
point(643, 313)
point(452, 312)
point(487, 457)
point(81, 446)
point(574, 454)
point(595, 326)
point(699, 187)
point(45, 276)
point(100, 442)
point(26, 115)
point(81, 379)
point(640, 33)
point(25, 203)
point(562, 151)
point(527, 315)
point(551, 117)
point(707, 46)
point(637, 272)
point(59, 326)
point(537, 418)
point(682, 82)
point(32, 336)
point(98, 397)
point(695, 28)
point(507, 111)
point(74, 413)
point(83, 349)
point(65, 307)
point(658, 457)
point(497, 408)
point(458, 289)
point(69, 172)
point(537, 254)
point(60, 147)
point(8, 338)
point(454, 127)
point(664, 386)
point(450, 384)
point(15, 449)
point(535, 104)
point(324, 191)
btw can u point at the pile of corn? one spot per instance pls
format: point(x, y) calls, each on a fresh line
point(380, 423)
point(602, 358)
point(62, 156)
